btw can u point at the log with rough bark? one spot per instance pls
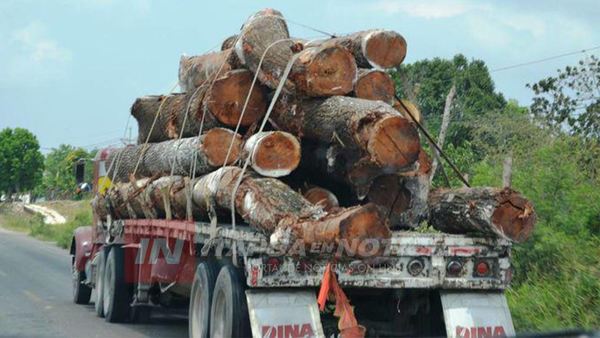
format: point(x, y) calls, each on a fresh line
point(221, 104)
point(372, 128)
point(195, 71)
point(403, 197)
point(321, 197)
point(319, 71)
point(269, 205)
point(375, 48)
point(273, 153)
point(495, 212)
point(176, 156)
point(374, 84)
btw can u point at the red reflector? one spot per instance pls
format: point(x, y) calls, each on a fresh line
point(482, 268)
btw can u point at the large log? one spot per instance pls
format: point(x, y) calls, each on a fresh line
point(221, 104)
point(319, 71)
point(176, 156)
point(378, 132)
point(273, 153)
point(375, 84)
point(376, 48)
point(195, 71)
point(495, 212)
point(403, 197)
point(271, 206)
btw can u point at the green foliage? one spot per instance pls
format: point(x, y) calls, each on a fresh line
point(571, 98)
point(21, 162)
point(59, 176)
point(428, 82)
point(65, 232)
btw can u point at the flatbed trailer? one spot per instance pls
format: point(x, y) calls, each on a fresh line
point(409, 288)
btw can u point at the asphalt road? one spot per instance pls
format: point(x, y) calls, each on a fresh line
point(36, 301)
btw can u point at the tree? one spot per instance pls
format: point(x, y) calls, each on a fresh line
point(428, 82)
point(571, 99)
point(21, 162)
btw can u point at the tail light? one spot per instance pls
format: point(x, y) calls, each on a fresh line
point(271, 265)
point(454, 268)
point(415, 267)
point(482, 269)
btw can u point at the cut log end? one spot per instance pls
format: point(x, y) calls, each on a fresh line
point(384, 49)
point(275, 154)
point(232, 91)
point(216, 144)
point(364, 222)
point(407, 109)
point(375, 85)
point(388, 192)
point(395, 143)
point(515, 215)
point(332, 71)
point(322, 197)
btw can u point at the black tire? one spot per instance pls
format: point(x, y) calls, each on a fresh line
point(81, 292)
point(99, 302)
point(140, 314)
point(116, 295)
point(229, 312)
point(201, 299)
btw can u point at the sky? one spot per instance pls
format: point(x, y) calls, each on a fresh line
point(70, 69)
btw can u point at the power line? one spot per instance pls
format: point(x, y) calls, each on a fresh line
point(544, 59)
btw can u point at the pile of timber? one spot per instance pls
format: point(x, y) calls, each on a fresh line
point(339, 157)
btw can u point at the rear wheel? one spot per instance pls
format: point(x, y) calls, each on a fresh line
point(229, 312)
point(115, 290)
point(201, 299)
point(99, 303)
point(81, 292)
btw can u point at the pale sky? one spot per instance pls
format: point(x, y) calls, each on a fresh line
point(70, 69)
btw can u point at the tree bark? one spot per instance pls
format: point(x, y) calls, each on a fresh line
point(269, 205)
point(403, 197)
point(374, 129)
point(502, 213)
point(195, 71)
point(273, 153)
point(379, 49)
point(374, 84)
point(321, 197)
point(160, 158)
point(229, 42)
point(221, 104)
point(443, 129)
point(320, 71)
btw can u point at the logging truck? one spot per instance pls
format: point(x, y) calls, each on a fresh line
point(236, 285)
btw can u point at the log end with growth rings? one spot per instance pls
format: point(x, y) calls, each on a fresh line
point(364, 223)
point(322, 197)
point(228, 96)
point(384, 49)
point(331, 71)
point(274, 154)
point(514, 215)
point(374, 84)
point(394, 142)
point(216, 144)
point(407, 109)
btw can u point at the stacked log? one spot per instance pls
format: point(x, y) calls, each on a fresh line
point(338, 158)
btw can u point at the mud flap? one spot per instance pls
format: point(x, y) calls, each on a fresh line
point(275, 314)
point(476, 314)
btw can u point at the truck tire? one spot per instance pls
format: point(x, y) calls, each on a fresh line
point(99, 303)
point(116, 293)
point(229, 312)
point(201, 299)
point(81, 292)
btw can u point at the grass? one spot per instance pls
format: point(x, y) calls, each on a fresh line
point(77, 213)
